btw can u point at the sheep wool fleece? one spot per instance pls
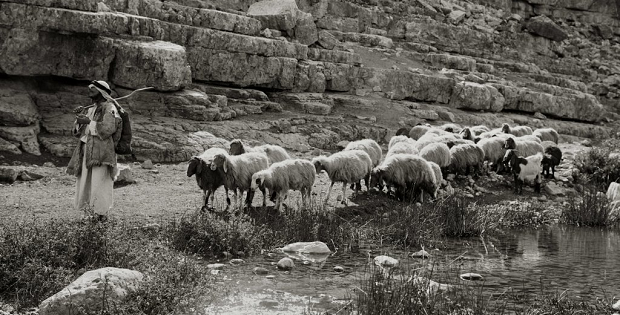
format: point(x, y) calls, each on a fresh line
point(94, 160)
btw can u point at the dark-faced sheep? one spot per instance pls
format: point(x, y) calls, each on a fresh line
point(280, 177)
point(517, 130)
point(348, 167)
point(209, 181)
point(237, 172)
point(407, 173)
point(524, 169)
point(274, 153)
point(551, 159)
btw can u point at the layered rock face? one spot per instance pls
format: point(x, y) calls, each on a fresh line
point(317, 72)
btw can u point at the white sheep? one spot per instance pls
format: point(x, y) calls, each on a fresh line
point(613, 192)
point(524, 169)
point(464, 156)
point(479, 129)
point(432, 136)
point(493, 152)
point(531, 138)
point(209, 181)
point(348, 167)
point(407, 173)
point(438, 175)
point(450, 127)
point(280, 177)
point(402, 148)
point(488, 134)
point(419, 145)
point(274, 153)
point(237, 171)
point(547, 134)
point(436, 152)
point(401, 138)
point(517, 130)
point(418, 131)
point(369, 146)
point(525, 148)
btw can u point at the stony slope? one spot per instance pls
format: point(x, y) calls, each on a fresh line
point(307, 74)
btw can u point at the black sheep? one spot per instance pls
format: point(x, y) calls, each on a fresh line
point(551, 159)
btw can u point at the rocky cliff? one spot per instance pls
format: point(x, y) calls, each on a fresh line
point(305, 74)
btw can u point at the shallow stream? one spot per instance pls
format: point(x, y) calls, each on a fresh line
point(583, 261)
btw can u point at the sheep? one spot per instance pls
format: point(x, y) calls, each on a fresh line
point(613, 192)
point(451, 143)
point(419, 145)
point(280, 177)
point(467, 133)
point(547, 134)
point(400, 138)
point(418, 131)
point(406, 172)
point(402, 132)
point(453, 128)
point(524, 169)
point(487, 134)
point(237, 171)
point(551, 159)
point(274, 153)
point(546, 144)
point(479, 129)
point(436, 152)
point(402, 148)
point(464, 156)
point(432, 136)
point(347, 167)
point(438, 175)
point(517, 130)
point(208, 180)
point(493, 151)
point(369, 146)
point(525, 148)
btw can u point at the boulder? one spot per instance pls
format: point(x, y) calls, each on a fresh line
point(386, 261)
point(327, 40)
point(456, 17)
point(125, 175)
point(275, 14)
point(33, 53)
point(61, 146)
point(476, 96)
point(307, 247)
point(87, 290)
point(305, 30)
point(399, 85)
point(545, 27)
point(260, 271)
point(335, 56)
point(555, 189)
point(8, 175)
point(17, 108)
point(309, 77)
point(162, 65)
point(285, 264)
point(7, 146)
point(25, 136)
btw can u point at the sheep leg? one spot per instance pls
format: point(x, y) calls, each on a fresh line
point(278, 202)
point(207, 194)
point(264, 191)
point(329, 191)
point(273, 196)
point(344, 194)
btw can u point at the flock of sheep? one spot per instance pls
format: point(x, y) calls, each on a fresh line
point(414, 165)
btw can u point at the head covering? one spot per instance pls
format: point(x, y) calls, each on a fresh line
point(103, 88)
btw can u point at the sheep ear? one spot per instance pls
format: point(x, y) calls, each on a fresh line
point(198, 165)
point(225, 166)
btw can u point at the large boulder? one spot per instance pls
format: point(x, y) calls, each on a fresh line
point(275, 14)
point(545, 27)
point(162, 65)
point(400, 85)
point(88, 290)
point(307, 247)
point(36, 53)
point(25, 136)
point(7, 146)
point(476, 96)
point(305, 30)
point(327, 40)
point(17, 108)
point(8, 175)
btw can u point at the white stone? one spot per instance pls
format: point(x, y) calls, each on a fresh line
point(125, 175)
point(148, 164)
point(87, 290)
point(285, 264)
point(216, 266)
point(386, 261)
point(421, 254)
point(307, 247)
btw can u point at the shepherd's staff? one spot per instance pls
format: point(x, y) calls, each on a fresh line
point(81, 108)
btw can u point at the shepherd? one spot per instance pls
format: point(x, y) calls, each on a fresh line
point(93, 162)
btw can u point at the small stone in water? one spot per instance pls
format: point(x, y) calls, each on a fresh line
point(268, 303)
point(286, 264)
point(421, 254)
point(338, 269)
point(237, 261)
point(471, 276)
point(260, 271)
point(270, 277)
point(216, 266)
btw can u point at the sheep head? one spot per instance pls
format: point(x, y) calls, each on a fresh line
point(194, 167)
point(258, 180)
point(236, 147)
point(319, 163)
point(376, 177)
point(219, 160)
point(466, 133)
point(510, 144)
point(505, 128)
point(402, 132)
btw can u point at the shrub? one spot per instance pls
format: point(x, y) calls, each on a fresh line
point(211, 233)
point(599, 166)
point(592, 208)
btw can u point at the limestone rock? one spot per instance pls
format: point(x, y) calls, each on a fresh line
point(452, 62)
point(162, 65)
point(7, 146)
point(456, 16)
point(285, 264)
point(260, 271)
point(399, 85)
point(335, 56)
point(275, 14)
point(554, 189)
point(61, 146)
point(312, 103)
point(25, 136)
point(545, 27)
point(307, 247)
point(327, 40)
point(125, 175)
point(87, 290)
point(364, 39)
point(8, 175)
point(216, 266)
point(33, 53)
point(476, 96)
point(305, 30)
point(148, 164)
point(17, 108)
